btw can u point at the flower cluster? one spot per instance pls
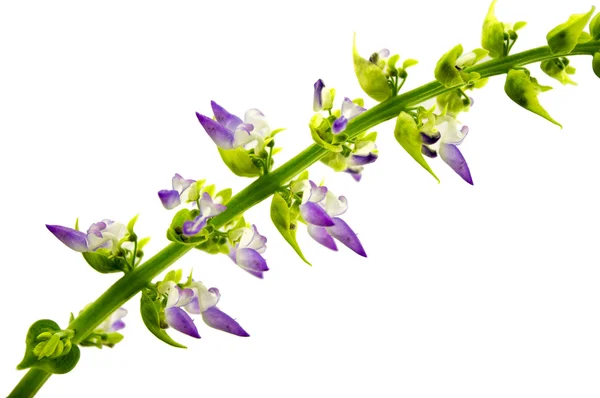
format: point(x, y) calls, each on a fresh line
point(195, 298)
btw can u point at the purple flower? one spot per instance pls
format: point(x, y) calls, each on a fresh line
point(175, 315)
point(208, 209)
point(349, 111)
point(105, 234)
point(320, 210)
point(247, 251)
point(364, 153)
point(114, 322)
point(229, 132)
point(172, 198)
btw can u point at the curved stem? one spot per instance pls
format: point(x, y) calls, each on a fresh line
point(263, 187)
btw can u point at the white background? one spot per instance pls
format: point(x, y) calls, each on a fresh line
point(483, 291)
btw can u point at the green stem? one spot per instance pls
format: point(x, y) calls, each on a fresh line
point(129, 285)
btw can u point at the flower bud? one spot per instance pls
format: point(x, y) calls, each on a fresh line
point(370, 77)
point(563, 38)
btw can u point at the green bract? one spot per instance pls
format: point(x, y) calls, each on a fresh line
point(370, 77)
point(565, 36)
point(559, 69)
point(320, 131)
point(453, 102)
point(239, 162)
point(149, 310)
point(448, 74)
point(595, 27)
point(524, 89)
point(284, 218)
point(492, 35)
point(102, 261)
point(407, 134)
point(46, 351)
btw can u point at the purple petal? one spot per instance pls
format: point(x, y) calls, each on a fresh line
point(384, 53)
point(350, 110)
point(250, 260)
point(314, 214)
point(453, 158)
point(97, 228)
point(194, 306)
point(342, 232)
point(430, 153)
point(226, 119)
point(116, 326)
point(179, 320)
point(169, 198)
point(75, 240)
point(339, 125)
point(215, 318)
point(317, 193)
point(321, 235)
point(191, 228)
point(355, 172)
point(318, 98)
point(358, 160)
point(431, 138)
point(218, 133)
point(180, 184)
point(208, 207)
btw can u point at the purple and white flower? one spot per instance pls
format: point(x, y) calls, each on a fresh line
point(208, 209)
point(114, 322)
point(105, 234)
point(205, 303)
point(229, 132)
point(323, 98)
point(175, 315)
point(320, 210)
point(445, 142)
point(247, 251)
point(349, 111)
point(171, 198)
point(364, 153)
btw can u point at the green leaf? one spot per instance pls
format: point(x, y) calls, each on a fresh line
point(60, 365)
point(523, 89)
point(281, 217)
point(492, 35)
point(557, 69)
point(131, 224)
point(225, 194)
point(519, 25)
point(409, 62)
point(370, 77)
point(407, 134)
point(564, 38)
point(595, 27)
point(445, 70)
point(104, 264)
point(149, 312)
point(452, 101)
point(239, 162)
point(319, 131)
point(584, 37)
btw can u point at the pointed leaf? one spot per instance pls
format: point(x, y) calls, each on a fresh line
point(280, 215)
point(407, 134)
point(492, 35)
point(239, 162)
point(370, 76)
point(149, 312)
point(595, 27)
point(523, 89)
point(564, 37)
point(445, 70)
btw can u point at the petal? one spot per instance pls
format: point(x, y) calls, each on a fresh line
point(335, 206)
point(318, 99)
point(191, 228)
point(180, 184)
point(321, 235)
point(350, 110)
point(169, 198)
point(185, 297)
point(226, 119)
point(250, 260)
point(430, 153)
point(317, 193)
point(97, 228)
point(314, 214)
point(74, 240)
point(219, 134)
point(355, 172)
point(453, 158)
point(357, 160)
point(179, 320)
point(208, 208)
point(430, 138)
point(342, 232)
point(257, 119)
point(215, 318)
point(339, 125)
point(384, 53)
point(251, 239)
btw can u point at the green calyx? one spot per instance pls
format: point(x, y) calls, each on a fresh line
point(559, 69)
point(49, 348)
point(563, 38)
point(447, 72)
point(524, 89)
point(408, 136)
point(370, 76)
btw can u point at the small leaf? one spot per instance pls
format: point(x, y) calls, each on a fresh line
point(239, 162)
point(280, 215)
point(409, 62)
point(225, 195)
point(563, 38)
point(584, 37)
point(149, 312)
point(446, 71)
point(407, 134)
point(595, 27)
point(60, 365)
point(131, 224)
point(523, 89)
point(492, 35)
point(519, 25)
point(370, 77)
point(103, 263)
point(556, 69)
